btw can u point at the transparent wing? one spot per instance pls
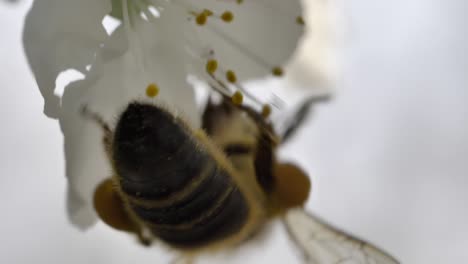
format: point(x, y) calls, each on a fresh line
point(291, 122)
point(323, 244)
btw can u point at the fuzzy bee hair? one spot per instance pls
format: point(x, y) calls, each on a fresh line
point(194, 190)
point(212, 188)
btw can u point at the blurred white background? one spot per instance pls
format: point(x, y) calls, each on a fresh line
point(388, 156)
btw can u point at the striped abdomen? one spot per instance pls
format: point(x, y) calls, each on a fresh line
point(172, 183)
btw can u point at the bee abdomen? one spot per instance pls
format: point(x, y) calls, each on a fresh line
point(211, 211)
point(222, 221)
point(173, 184)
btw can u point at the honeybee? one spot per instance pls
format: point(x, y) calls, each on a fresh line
point(199, 190)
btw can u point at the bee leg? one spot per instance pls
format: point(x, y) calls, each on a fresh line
point(107, 132)
point(300, 116)
point(143, 237)
point(111, 210)
point(144, 241)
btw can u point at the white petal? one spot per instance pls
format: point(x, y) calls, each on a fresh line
point(315, 60)
point(59, 35)
point(263, 34)
point(106, 90)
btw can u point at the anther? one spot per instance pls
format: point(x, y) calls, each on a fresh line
point(201, 19)
point(231, 76)
point(237, 98)
point(152, 90)
point(207, 12)
point(300, 20)
point(211, 66)
point(277, 71)
point(266, 111)
point(227, 16)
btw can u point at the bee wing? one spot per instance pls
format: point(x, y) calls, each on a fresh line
point(292, 122)
point(322, 243)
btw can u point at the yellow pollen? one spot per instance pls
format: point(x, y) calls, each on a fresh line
point(240, 1)
point(266, 111)
point(227, 16)
point(152, 90)
point(292, 185)
point(231, 76)
point(277, 71)
point(300, 20)
point(207, 12)
point(237, 98)
point(201, 19)
point(211, 66)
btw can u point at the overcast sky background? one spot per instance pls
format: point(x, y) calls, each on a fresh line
point(388, 156)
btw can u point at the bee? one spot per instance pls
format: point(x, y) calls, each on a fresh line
point(199, 190)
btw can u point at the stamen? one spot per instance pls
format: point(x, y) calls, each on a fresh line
point(201, 19)
point(237, 98)
point(222, 92)
point(211, 66)
point(207, 12)
point(300, 20)
point(277, 71)
point(248, 94)
point(152, 90)
point(225, 91)
point(231, 76)
point(227, 16)
point(266, 111)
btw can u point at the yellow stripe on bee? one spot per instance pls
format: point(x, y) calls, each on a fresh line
point(208, 213)
point(177, 196)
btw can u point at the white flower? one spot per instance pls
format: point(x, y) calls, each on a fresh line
point(158, 41)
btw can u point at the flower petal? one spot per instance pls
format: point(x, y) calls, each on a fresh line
point(106, 90)
point(262, 35)
point(59, 35)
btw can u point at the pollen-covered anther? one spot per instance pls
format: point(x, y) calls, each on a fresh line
point(211, 66)
point(152, 90)
point(266, 111)
point(240, 1)
point(231, 76)
point(227, 16)
point(237, 98)
point(201, 19)
point(277, 71)
point(300, 20)
point(207, 12)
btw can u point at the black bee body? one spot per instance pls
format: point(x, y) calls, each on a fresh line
point(212, 189)
point(173, 183)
